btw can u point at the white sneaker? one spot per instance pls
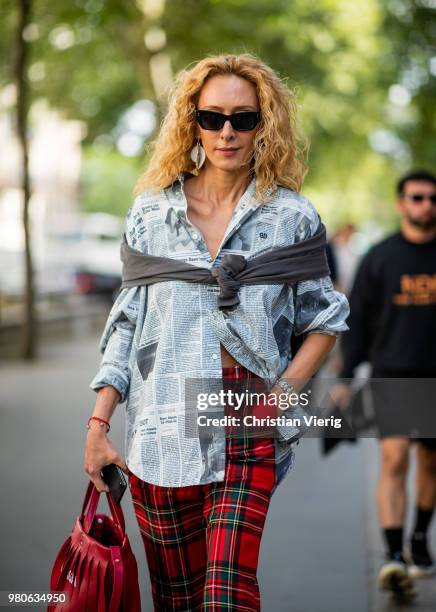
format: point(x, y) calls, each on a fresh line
point(394, 577)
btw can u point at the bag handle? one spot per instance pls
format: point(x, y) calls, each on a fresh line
point(118, 581)
point(92, 497)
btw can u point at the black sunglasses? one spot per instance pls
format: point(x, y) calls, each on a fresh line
point(418, 198)
point(241, 122)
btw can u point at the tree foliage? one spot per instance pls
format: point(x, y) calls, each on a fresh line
point(364, 71)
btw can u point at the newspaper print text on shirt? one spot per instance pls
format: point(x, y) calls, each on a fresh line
point(158, 336)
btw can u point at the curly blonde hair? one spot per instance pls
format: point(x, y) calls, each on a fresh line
point(279, 150)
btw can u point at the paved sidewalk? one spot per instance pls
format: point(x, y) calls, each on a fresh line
point(321, 546)
point(313, 555)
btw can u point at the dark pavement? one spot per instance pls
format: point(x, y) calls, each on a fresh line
point(321, 547)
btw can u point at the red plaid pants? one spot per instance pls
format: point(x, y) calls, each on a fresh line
point(202, 541)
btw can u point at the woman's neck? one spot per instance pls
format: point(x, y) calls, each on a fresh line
point(219, 187)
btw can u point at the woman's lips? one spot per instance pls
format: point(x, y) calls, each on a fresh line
point(228, 152)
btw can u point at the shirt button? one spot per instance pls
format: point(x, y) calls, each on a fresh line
point(214, 356)
point(195, 236)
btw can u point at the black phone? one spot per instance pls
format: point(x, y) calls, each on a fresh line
point(113, 476)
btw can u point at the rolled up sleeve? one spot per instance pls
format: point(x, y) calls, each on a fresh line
point(116, 343)
point(319, 308)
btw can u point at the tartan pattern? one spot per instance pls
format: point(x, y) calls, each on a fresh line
point(202, 541)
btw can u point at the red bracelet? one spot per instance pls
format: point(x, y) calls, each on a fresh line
point(101, 421)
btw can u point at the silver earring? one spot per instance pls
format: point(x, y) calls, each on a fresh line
point(198, 155)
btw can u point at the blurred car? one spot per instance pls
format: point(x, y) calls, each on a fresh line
point(94, 253)
point(84, 259)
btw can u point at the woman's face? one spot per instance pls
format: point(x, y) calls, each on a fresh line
point(227, 149)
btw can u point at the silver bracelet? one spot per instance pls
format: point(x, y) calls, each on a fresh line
point(287, 388)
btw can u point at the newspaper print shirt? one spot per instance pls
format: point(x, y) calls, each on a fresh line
point(158, 336)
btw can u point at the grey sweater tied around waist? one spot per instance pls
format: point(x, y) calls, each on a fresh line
point(305, 260)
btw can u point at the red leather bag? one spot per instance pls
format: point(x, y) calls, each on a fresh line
point(95, 565)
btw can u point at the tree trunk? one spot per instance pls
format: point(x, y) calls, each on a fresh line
point(29, 323)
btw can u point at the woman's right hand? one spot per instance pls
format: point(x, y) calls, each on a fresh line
point(99, 452)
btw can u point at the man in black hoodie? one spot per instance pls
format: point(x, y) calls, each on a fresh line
point(393, 326)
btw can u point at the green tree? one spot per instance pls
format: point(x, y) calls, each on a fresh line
point(88, 58)
point(410, 28)
point(21, 63)
point(353, 63)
